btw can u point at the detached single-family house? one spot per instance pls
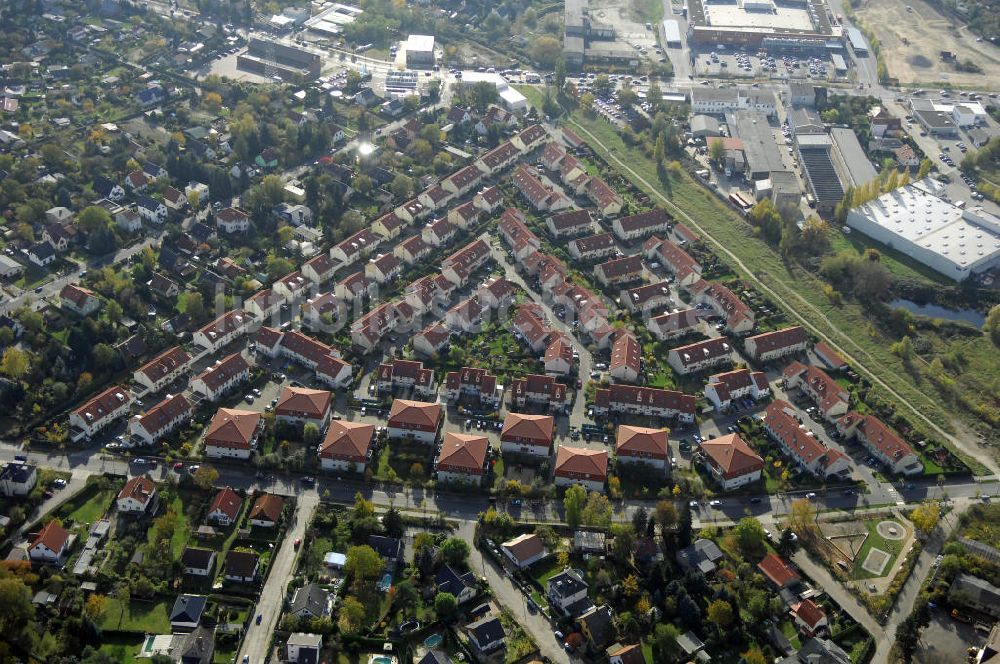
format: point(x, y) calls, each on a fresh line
point(187, 610)
point(17, 479)
point(198, 562)
point(524, 550)
point(136, 497)
point(487, 634)
point(51, 544)
point(266, 511)
point(225, 507)
point(462, 586)
point(81, 301)
point(310, 601)
point(242, 566)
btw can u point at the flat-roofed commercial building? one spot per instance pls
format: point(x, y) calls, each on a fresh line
point(797, 25)
point(419, 51)
point(269, 57)
point(946, 238)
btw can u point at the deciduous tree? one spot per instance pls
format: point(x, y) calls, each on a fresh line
point(205, 477)
point(573, 503)
point(352, 615)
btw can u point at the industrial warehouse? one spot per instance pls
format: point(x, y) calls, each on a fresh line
point(801, 25)
point(945, 237)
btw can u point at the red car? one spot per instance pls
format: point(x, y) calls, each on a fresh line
point(179, 466)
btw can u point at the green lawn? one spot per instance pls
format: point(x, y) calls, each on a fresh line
point(183, 530)
point(401, 460)
point(847, 324)
point(90, 504)
point(874, 540)
point(792, 634)
point(122, 647)
point(544, 570)
point(149, 617)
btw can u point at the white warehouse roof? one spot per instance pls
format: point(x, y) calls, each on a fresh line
point(915, 220)
point(671, 30)
point(421, 43)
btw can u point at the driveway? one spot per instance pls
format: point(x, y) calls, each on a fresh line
point(272, 596)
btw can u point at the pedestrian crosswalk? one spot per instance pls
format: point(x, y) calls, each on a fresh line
point(894, 494)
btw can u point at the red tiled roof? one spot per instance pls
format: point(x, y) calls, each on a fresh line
point(464, 453)
point(732, 455)
point(593, 243)
point(577, 461)
point(78, 295)
point(701, 351)
point(267, 508)
point(626, 352)
point(539, 386)
point(349, 441)
point(302, 401)
point(777, 570)
point(783, 338)
point(228, 502)
point(139, 488)
point(650, 396)
point(641, 441)
point(232, 428)
point(677, 320)
point(524, 547)
point(828, 355)
point(219, 374)
point(602, 195)
point(620, 267)
point(878, 434)
point(104, 403)
point(534, 428)
point(650, 219)
point(809, 613)
point(165, 412)
point(165, 363)
point(224, 324)
point(420, 415)
point(571, 219)
point(53, 536)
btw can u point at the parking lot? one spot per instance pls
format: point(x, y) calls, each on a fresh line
point(741, 64)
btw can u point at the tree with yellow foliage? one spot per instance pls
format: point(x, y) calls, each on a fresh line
point(95, 606)
point(211, 100)
point(925, 517)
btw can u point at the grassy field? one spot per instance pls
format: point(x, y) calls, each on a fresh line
point(846, 324)
point(874, 540)
point(90, 504)
point(136, 616)
point(183, 530)
point(122, 647)
point(792, 634)
point(399, 459)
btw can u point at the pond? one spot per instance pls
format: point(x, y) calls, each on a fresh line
point(972, 316)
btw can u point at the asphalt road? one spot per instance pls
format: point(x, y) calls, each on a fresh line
point(272, 596)
point(511, 597)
